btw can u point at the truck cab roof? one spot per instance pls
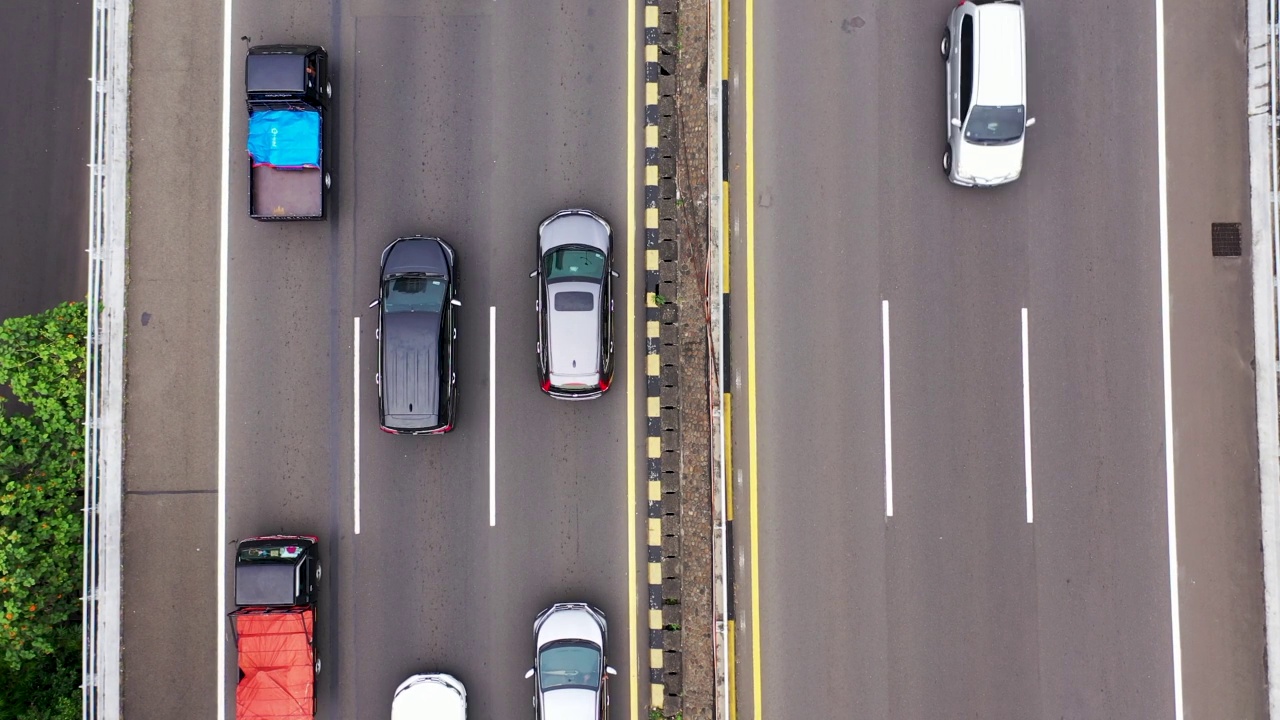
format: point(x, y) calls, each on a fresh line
point(277, 69)
point(275, 571)
point(269, 584)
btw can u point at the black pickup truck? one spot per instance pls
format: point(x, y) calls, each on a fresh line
point(288, 90)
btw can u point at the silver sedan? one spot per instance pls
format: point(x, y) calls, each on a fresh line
point(571, 677)
point(575, 305)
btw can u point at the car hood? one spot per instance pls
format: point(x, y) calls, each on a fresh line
point(987, 164)
point(569, 704)
point(429, 697)
point(415, 255)
point(573, 337)
point(574, 230)
point(410, 365)
point(570, 624)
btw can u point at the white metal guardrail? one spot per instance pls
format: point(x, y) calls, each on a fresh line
point(1264, 124)
point(104, 347)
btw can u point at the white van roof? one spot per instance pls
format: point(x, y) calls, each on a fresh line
point(998, 37)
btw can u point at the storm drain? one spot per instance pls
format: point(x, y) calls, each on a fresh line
point(1226, 239)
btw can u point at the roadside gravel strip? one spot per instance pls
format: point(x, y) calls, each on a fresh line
point(104, 384)
point(1265, 215)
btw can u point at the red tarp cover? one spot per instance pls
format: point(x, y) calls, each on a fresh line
point(278, 662)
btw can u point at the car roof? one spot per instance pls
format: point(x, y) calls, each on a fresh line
point(569, 704)
point(573, 337)
point(411, 365)
point(999, 41)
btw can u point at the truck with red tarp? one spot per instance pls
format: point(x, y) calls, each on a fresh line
point(274, 627)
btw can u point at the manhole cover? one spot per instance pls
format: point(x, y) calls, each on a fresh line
point(1226, 239)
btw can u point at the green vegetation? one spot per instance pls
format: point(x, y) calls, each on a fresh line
point(42, 370)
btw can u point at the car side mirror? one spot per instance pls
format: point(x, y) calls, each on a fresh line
point(955, 122)
point(1031, 121)
point(528, 674)
point(614, 273)
point(374, 303)
point(611, 671)
point(533, 274)
point(456, 302)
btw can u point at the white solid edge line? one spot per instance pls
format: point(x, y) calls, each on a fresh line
point(493, 420)
point(888, 412)
point(355, 422)
point(224, 224)
point(1162, 163)
point(1026, 411)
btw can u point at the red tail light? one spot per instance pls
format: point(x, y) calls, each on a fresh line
point(386, 429)
point(604, 383)
point(546, 385)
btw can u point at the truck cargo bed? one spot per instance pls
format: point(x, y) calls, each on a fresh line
point(280, 193)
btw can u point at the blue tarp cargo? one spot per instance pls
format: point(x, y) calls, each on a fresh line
point(285, 138)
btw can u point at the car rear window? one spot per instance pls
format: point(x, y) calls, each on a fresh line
point(575, 302)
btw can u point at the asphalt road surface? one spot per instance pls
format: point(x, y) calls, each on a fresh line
point(44, 150)
point(470, 121)
point(962, 588)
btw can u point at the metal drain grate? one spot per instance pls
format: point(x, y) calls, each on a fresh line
point(1226, 239)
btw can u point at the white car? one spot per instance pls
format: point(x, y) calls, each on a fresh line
point(571, 678)
point(985, 50)
point(430, 696)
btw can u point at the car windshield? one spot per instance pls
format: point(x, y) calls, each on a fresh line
point(414, 293)
point(569, 664)
point(271, 551)
point(993, 125)
point(575, 263)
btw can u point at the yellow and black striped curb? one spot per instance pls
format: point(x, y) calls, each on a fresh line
point(653, 363)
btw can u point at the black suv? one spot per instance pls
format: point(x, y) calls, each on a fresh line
point(417, 372)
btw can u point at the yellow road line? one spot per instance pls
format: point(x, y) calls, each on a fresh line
point(724, 41)
point(633, 588)
point(749, 48)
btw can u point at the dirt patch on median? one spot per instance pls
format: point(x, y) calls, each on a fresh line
point(688, 611)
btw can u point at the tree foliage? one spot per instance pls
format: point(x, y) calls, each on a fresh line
point(42, 371)
point(43, 689)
